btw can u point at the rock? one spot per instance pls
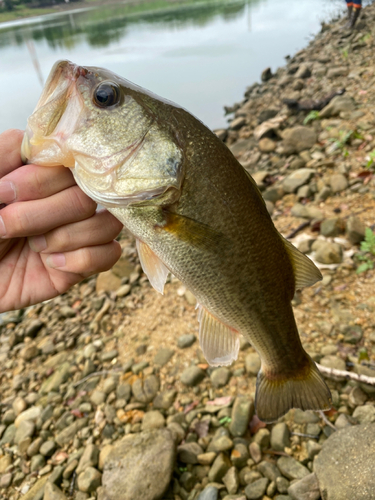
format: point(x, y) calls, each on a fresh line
point(186, 340)
point(6, 480)
point(221, 443)
point(252, 363)
point(37, 462)
point(231, 480)
point(267, 145)
point(364, 414)
point(305, 417)
point(89, 458)
point(29, 352)
point(192, 376)
point(336, 72)
point(89, 480)
point(32, 413)
point(206, 458)
point(269, 470)
point(329, 253)
point(355, 230)
point(305, 489)
point(292, 469)
point(53, 383)
point(188, 453)
point(336, 106)
point(145, 390)
point(313, 448)
point(267, 114)
point(341, 422)
point(262, 437)
point(9, 434)
point(209, 493)
point(297, 178)
point(67, 435)
point(255, 452)
point(163, 356)
point(257, 489)
point(333, 362)
point(332, 227)
point(123, 290)
point(124, 391)
point(338, 183)
point(48, 448)
point(349, 456)
point(37, 490)
point(266, 75)
point(242, 413)
point(152, 451)
point(5, 462)
point(220, 376)
point(164, 400)
point(303, 72)
point(152, 420)
point(107, 282)
point(52, 492)
point(219, 468)
point(273, 193)
point(352, 334)
point(25, 429)
point(282, 485)
point(299, 138)
point(239, 455)
point(280, 437)
point(237, 123)
point(98, 397)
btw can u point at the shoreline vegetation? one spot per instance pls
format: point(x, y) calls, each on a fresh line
point(14, 10)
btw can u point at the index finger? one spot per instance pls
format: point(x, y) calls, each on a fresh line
point(10, 151)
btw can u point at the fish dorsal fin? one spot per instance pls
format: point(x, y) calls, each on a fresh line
point(305, 271)
point(220, 343)
point(153, 267)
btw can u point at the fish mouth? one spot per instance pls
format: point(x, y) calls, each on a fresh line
point(55, 117)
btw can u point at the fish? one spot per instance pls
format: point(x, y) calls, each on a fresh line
point(194, 211)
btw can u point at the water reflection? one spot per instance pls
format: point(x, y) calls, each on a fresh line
point(100, 27)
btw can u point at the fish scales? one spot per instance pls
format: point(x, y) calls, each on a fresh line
point(194, 211)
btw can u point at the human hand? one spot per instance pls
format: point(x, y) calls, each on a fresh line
point(51, 237)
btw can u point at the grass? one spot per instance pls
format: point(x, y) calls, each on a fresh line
point(21, 11)
point(367, 253)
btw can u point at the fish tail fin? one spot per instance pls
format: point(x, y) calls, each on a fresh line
point(277, 393)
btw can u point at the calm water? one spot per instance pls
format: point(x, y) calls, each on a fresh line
point(200, 55)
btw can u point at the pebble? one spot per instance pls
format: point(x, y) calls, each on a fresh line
point(280, 437)
point(89, 480)
point(163, 356)
point(257, 489)
point(192, 376)
point(219, 468)
point(338, 183)
point(252, 363)
point(242, 413)
point(52, 492)
point(5, 462)
point(291, 468)
point(145, 390)
point(329, 253)
point(220, 377)
point(25, 429)
point(333, 362)
point(269, 470)
point(209, 493)
point(89, 458)
point(262, 438)
point(297, 179)
point(153, 420)
point(364, 414)
point(48, 448)
point(188, 453)
point(231, 480)
point(186, 340)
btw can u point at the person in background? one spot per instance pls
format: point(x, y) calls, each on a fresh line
point(354, 9)
point(51, 236)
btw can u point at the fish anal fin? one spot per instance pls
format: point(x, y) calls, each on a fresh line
point(277, 393)
point(220, 343)
point(153, 267)
point(305, 271)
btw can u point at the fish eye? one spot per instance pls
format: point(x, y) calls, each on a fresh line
point(106, 94)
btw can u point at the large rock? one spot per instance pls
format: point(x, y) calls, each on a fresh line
point(297, 139)
point(346, 465)
point(338, 104)
point(305, 489)
point(125, 468)
point(296, 179)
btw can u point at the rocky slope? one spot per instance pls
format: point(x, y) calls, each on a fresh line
point(104, 391)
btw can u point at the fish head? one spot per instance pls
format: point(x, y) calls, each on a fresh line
point(118, 139)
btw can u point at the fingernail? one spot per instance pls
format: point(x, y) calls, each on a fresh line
point(7, 192)
point(3, 231)
point(56, 260)
point(38, 243)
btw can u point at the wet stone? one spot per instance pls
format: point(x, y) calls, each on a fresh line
point(220, 377)
point(305, 489)
point(256, 490)
point(291, 468)
point(242, 413)
point(280, 437)
point(188, 453)
point(192, 376)
point(186, 340)
point(163, 356)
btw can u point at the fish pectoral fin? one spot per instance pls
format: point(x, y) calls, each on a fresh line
point(154, 268)
point(191, 231)
point(305, 271)
point(220, 343)
point(277, 393)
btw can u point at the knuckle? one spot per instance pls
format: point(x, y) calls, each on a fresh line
point(16, 221)
point(83, 205)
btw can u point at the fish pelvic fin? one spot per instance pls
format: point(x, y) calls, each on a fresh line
point(305, 271)
point(277, 393)
point(219, 342)
point(153, 267)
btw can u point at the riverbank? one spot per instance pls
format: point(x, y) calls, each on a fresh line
point(106, 384)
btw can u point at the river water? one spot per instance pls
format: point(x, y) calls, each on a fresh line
point(201, 55)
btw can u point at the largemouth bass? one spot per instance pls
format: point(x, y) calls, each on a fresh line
point(195, 212)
